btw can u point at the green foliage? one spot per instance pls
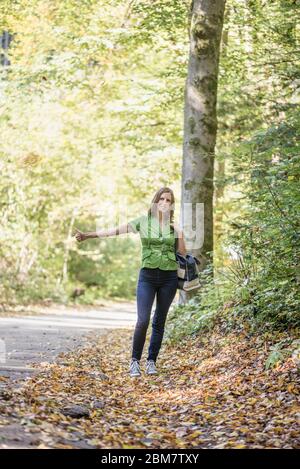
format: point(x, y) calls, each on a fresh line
point(107, 271)
point(261, 279)
point(91, 114)
point(200, 313)
point(267, 237)
point(281, 351)
point(257, 243)
point(84, 120)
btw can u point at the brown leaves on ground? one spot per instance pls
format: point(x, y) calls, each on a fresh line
point(211, 392)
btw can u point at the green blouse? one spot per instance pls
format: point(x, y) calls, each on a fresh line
point(158, 244)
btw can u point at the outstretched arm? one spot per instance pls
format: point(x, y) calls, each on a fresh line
point(81, 236)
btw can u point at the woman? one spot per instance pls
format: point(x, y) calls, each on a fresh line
point(158, 273)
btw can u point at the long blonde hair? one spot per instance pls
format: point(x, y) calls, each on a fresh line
point(153, 207)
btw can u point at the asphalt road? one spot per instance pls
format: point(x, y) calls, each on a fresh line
point(34, 339)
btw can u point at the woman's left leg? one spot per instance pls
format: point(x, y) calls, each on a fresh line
point(164, 297)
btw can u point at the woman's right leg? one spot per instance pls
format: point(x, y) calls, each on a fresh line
point(164, 297)
point(145, 291)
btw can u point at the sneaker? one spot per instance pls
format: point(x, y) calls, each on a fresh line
point(135, 369)
point(151, 368)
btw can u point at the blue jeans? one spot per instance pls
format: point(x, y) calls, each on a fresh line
point(151, 282)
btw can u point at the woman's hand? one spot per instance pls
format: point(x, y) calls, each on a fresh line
point(79, 235)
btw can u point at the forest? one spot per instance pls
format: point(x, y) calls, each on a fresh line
point(101, 104)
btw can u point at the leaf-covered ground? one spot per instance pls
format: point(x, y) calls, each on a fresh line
point(212, 392)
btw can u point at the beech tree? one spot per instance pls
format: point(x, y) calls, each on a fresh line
point(200, 124)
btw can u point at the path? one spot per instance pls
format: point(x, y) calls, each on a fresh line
point(28, 339)
point(39, 338)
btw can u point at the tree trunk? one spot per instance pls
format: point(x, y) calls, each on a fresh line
point(200, 129)
point(221, 166)
point(68, 242)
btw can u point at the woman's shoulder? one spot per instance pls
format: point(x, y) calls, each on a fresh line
point(138, 222)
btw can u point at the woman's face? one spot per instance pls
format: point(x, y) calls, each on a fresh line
point(164, 203)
